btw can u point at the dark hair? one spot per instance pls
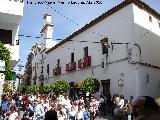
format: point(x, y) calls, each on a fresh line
point(101, 96)
point(150, 103)
point(122, 97)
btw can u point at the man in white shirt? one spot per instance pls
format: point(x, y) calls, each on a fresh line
point(39, 111)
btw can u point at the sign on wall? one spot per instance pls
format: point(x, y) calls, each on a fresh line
point(2, 65)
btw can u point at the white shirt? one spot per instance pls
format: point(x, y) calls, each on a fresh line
point(121, 103)
point(13, 116)
point(101, 100)
point(80, 114)
point(39, 109)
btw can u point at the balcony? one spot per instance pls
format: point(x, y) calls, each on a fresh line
point(71, 66)
point(57, 71)
point(11, 11)
point(84, 62)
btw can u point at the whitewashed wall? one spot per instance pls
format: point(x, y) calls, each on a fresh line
point(151, 86)
point(36, 60)
point(14, 47)
point(125, 26)
point(118, 30)
point(147, 35)
point(12, 7)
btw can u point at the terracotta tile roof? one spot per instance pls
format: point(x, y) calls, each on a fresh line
point(139, 3)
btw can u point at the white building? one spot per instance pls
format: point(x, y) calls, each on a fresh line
point(39, 56)
point(120, 48)
point(11, 12)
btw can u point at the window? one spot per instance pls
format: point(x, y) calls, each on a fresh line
point(35, 68)
point(104, 49)
point(72, 57)
point(104, 46)
point(150, 18)
point(58, 62)
point(42, 69)
point(6, 36)
point(34, 82)
point(48, 69)
point(86, 52)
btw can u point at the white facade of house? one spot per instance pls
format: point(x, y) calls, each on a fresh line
point(11, 12)
point(132, 57)
point(38, 62)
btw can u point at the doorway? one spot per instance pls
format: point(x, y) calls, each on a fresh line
point(106, 87)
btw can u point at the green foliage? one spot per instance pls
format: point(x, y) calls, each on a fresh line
point(32, 89)
point(24, 90)
point(5, 55)
point(7, 89)
point(91, 85)
point(47, 89)
point(29, 89)
point(61, 86)
point(36, 89)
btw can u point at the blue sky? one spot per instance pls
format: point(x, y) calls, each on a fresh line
point(65, 18)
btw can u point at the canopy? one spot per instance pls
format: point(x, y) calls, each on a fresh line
point(78, 83)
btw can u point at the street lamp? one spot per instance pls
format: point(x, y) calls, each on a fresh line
point(19, 76)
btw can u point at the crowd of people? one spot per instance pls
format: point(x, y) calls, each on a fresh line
point(38, 107)
point(61, 107)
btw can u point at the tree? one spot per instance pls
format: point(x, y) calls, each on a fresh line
point(29, 89)
point(91, 85)
point(35, 88)
point(5, 55)
point(6, 89)
point(61, 86)
point(47, 89)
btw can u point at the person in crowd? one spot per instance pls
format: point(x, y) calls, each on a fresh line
point(92, 108)
point(61, 112)
point(116, 99)
point(128, 109)
point(46, 105)
point(121, 102)
point(51, 114)
point(145, 108)
point(131, 99)
point(13, 113)
point(72, 113)
point(2, 116)
point(28, 113)
point(5, 105)
point(67, 104)
point(102, 105)
point(39, 111)
point(87, 103)
point(81, 101)
point(79, 114)
point(119, 114)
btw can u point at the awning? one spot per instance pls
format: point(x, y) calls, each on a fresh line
point(78, 83)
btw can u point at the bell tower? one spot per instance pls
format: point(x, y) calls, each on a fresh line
point(46, 32)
